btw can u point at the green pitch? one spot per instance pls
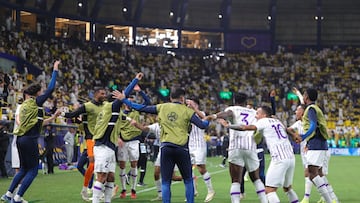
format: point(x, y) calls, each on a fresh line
point(65, 186)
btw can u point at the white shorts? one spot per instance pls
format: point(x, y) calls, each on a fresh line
point(325, 167)
point(15, 160)
point(316, 157)
point(280, 173)
point(129, 152)
point(247, 158)
point(105, 160)
point(197, 155)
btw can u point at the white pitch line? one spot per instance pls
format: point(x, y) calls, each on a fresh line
point(173, 183)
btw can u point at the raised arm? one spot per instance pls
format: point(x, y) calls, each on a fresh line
point(132, 84)
point(74, 113)
point(138, 107)
point(272, 101)
point(298, 93)
point(237, 127)
point(138, 125)
point(42, 98)
point(52, 118)
point(243, 127)
point(198, 122)
point(222, 114)
point(143, 95)
point(194, 106)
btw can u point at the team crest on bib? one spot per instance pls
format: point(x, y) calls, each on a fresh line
point(172, 116)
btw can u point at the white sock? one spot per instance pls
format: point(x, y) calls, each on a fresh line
point(260, 190)
point(330, 189)
point(207, 180)
point(123, 178)
point(158, 187)
point(133, 173)
point(235, 192)
point(97, 191)
point(272, 197)
point(17, 189)
point(292, 196)
point(308, 186)
point(17, 198)
point(9, 194)
point(321, 187)
point(109, 186)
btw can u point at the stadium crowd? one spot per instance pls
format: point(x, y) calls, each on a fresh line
point(334, 71)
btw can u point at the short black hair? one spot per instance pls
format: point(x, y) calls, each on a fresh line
point(195, 99)
point(177, 93)
point(267, 110)
point(32, 89)
point(312, 94)
point(240, 98)
point(110, 98)
point(97, 89)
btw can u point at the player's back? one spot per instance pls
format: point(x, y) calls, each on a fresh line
point(276, 138)
point(242, 115)
point(242, 139)
point(197, 137)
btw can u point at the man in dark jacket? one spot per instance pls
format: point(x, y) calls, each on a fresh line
point(4, 143)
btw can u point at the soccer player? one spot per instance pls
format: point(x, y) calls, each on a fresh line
point(224, 149)
point(281, 169)
point(155, 129)
point(197, 150)
point(15, 160)
point(89, 112)
point(298, 127)
point(128, 149)
point(175, 119)
point(106, 132)
point(242, 148)
point(315, 134)
point(31, 121)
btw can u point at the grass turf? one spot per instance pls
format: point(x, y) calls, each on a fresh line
point(65, 186)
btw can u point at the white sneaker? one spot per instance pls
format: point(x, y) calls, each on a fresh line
point(84, 194)
point(158, 198)
point(209, 196)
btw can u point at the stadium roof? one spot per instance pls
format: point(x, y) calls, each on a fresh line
point(294, 20)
